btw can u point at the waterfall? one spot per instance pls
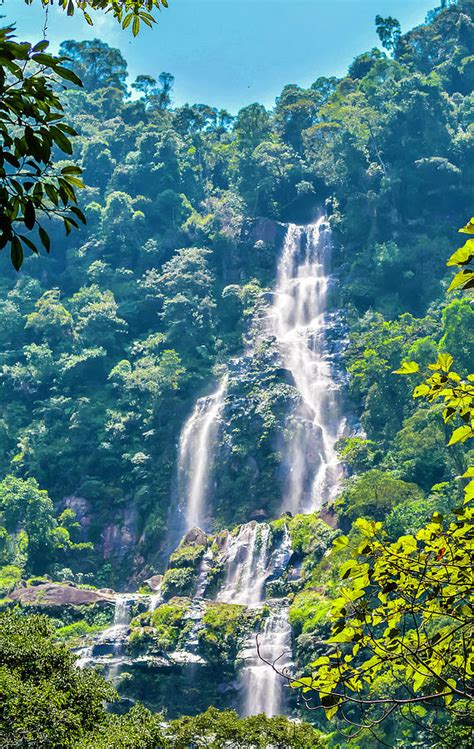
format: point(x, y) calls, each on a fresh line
point(84, 656)
point(155, 600)
point(108, 647)
point(117, 635)
point(246, 578)
point(246, 561)
point(299, 323)
point(195, 456)
point(203, 574)
point(263, 687)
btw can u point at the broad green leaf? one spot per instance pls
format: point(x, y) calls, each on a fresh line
point(463, 255)
point(340, 543)
point(462, 280)
point(444, 362)
point(421, 391)
point(461, 434)
point(469, 228)
point(408, 367)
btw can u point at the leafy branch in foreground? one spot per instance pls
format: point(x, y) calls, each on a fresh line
point(403, 624)
point(31, 127)
point(444, 384)
point(126, 12)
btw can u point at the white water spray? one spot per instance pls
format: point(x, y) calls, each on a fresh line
point(247, 565)
point(299, 324)
point(195, 456)
point(262, 686)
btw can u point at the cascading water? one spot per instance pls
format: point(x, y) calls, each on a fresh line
point(263, 687)
point(247, 560)
point(108, 647)
point(195, 456)
point(299, 324)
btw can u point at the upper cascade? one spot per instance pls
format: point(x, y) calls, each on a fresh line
point(299, 320)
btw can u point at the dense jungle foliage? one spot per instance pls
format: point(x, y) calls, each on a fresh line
point(106, 344)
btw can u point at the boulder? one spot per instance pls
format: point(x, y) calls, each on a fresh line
point(195, 536)
point(154, 582)
point(51, 594)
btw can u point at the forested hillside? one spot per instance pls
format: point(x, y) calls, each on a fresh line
point(107, 344)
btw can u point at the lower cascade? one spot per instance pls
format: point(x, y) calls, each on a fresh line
point(265, 657)
point(108, 648)
point(246, 561)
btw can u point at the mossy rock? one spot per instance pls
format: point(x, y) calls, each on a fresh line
point(225, 626)
point(178, 581)
point(169, 624)
point(140, 640)
point(187, 555)
point(310, 535)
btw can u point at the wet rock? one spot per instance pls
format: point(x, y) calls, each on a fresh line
point(327, 514)
point(263, 230)
point(154, 582)
point(184, 657)
point(195, 536)
point(118, 539)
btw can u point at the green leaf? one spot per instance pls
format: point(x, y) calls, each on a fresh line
point(445, 362)
point(347, 568)
point(45, 240)
point(340, 543)
point(462, 280)
point(16, 253)
point(469, 228)
point(68, 75)
point(29, 215)
point(421, 390)
point(41, 46)
point(418, 681)
point(61, 140)
point(408, 367)
point(463, 255)
point(29, 244)
point(461, 434)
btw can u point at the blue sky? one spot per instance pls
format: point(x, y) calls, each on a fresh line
point(229, 53)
